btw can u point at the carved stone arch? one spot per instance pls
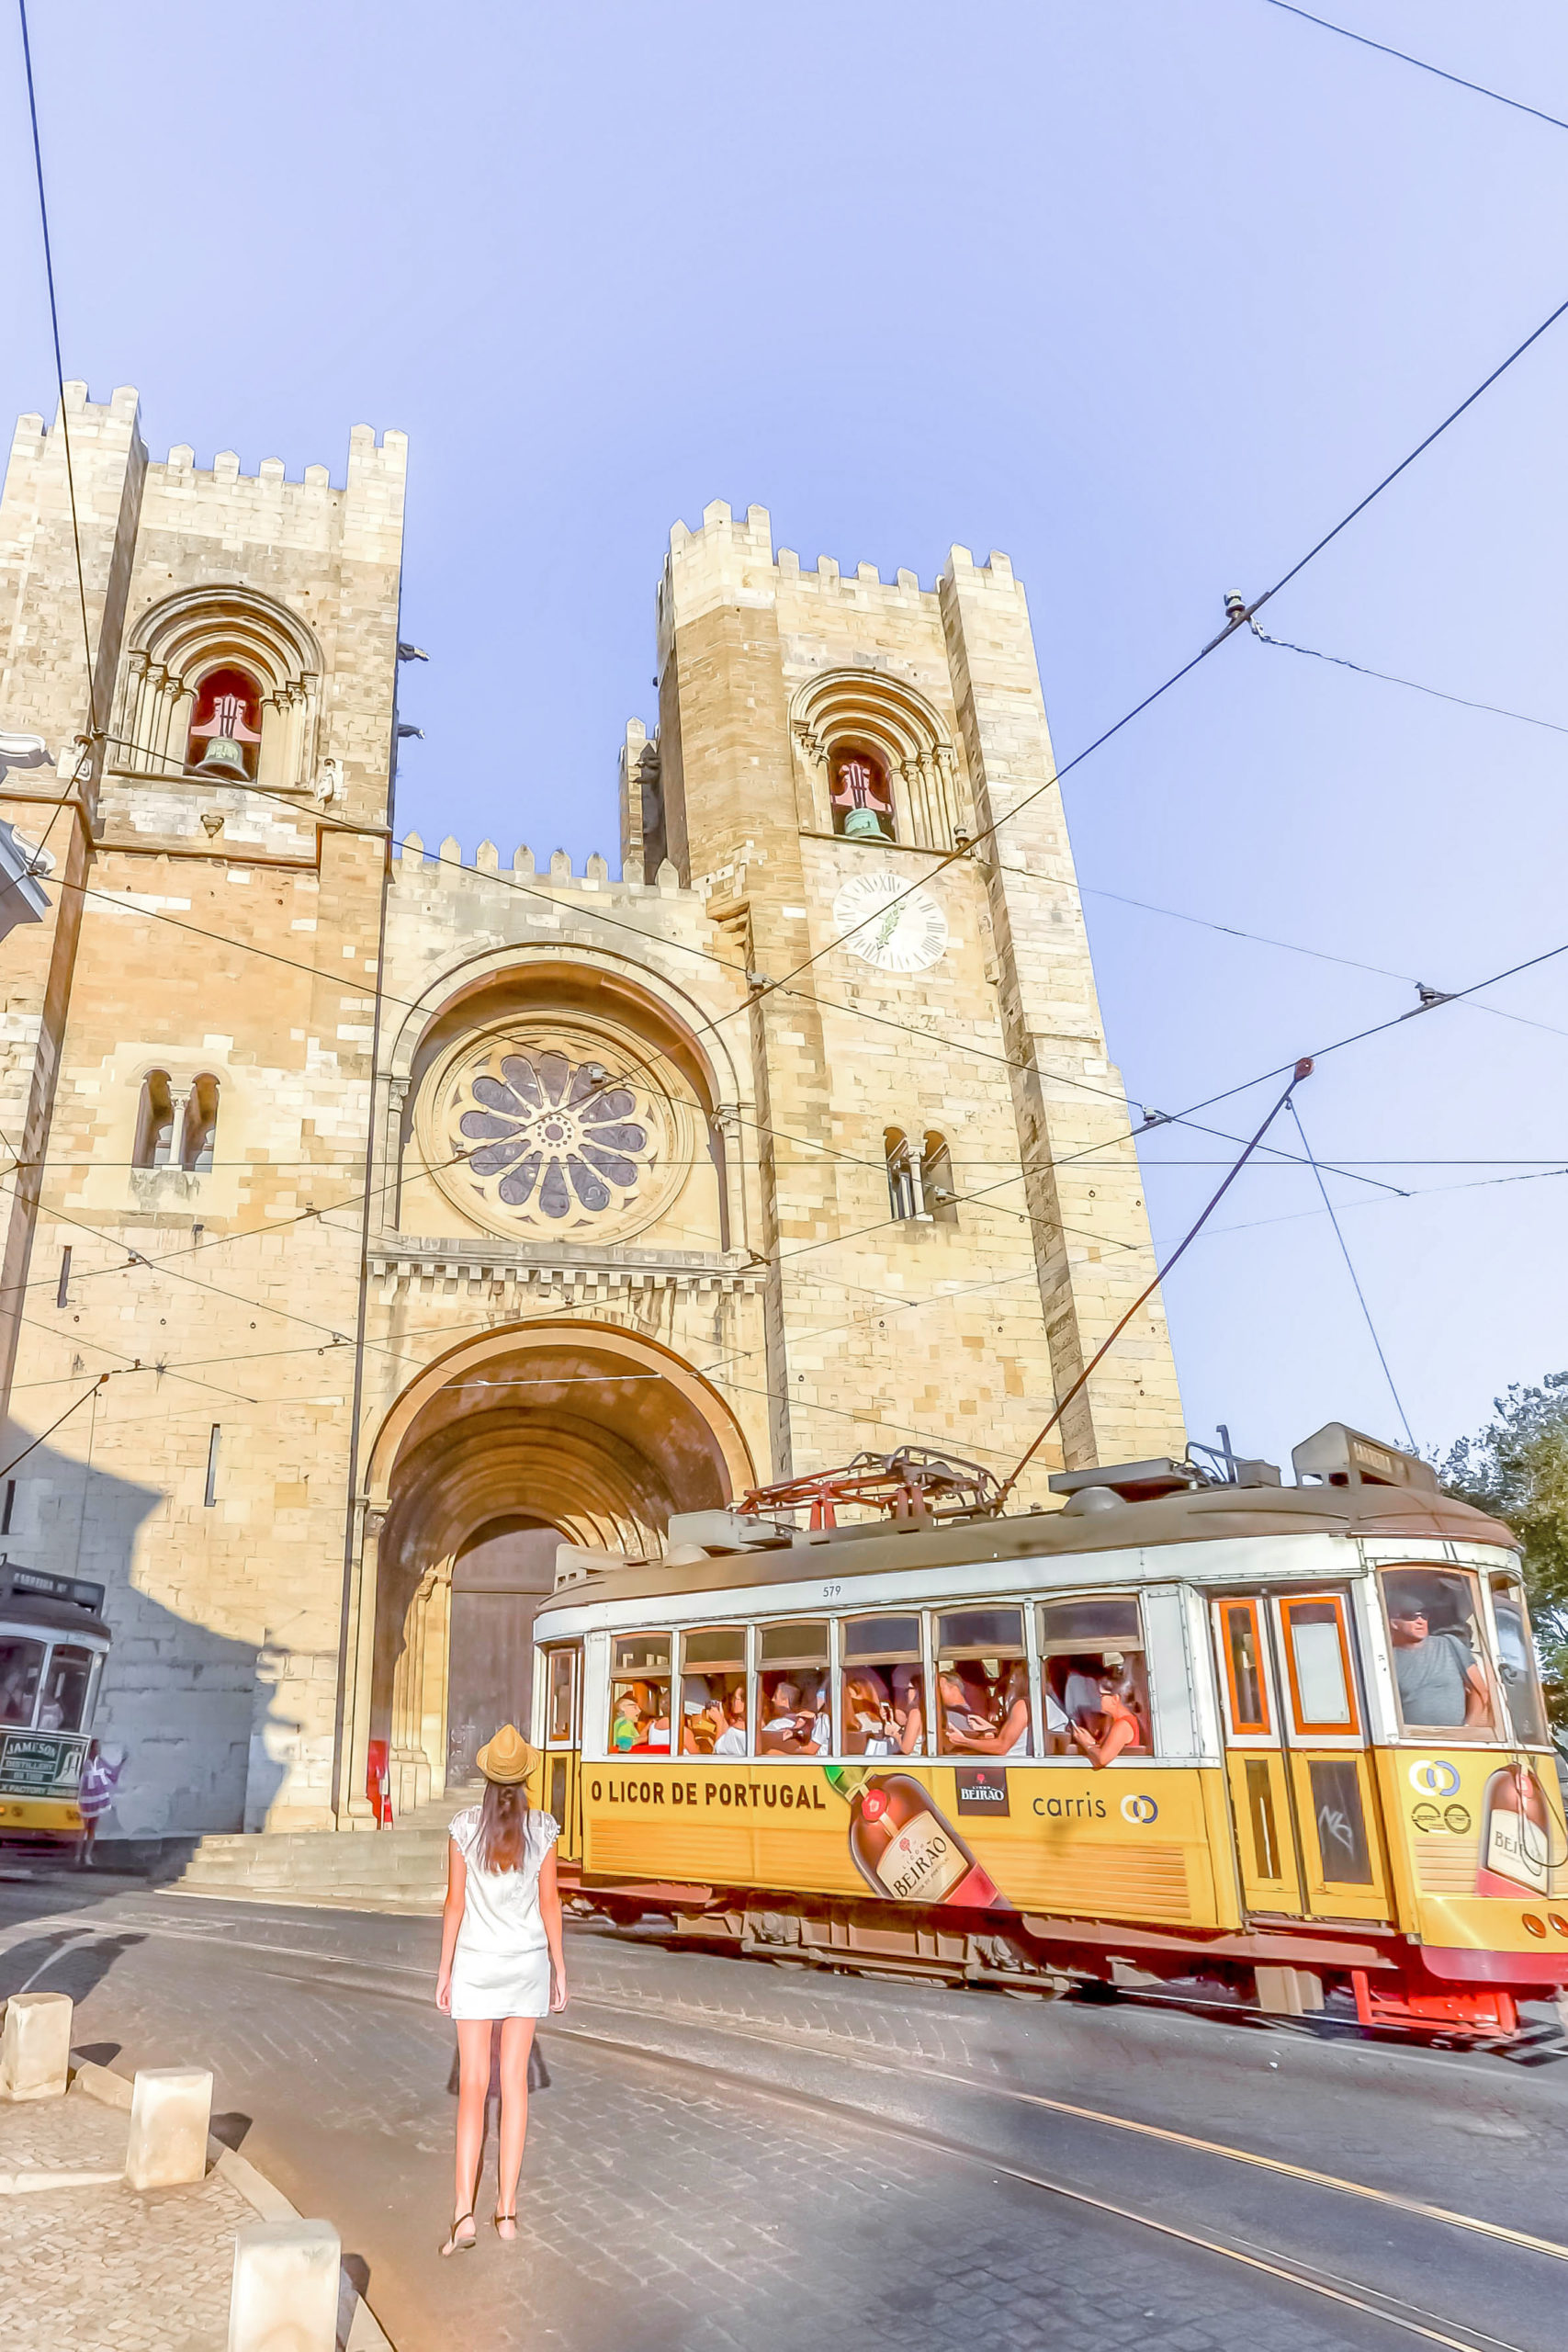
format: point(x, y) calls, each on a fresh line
point(871, 709)
point(182, 641)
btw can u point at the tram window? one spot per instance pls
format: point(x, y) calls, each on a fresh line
point(66, 1686)
point(1243, 1669)
point(1318, 1652)
point(793, 1717)
point(560, 1717)
point(1440, 1658)
point(1516, 1662)
point(1095, 1685)
point(20, 1666)
point(883, 1698)
point(982, 1706)
point(639, 1694)
point(713, 1691)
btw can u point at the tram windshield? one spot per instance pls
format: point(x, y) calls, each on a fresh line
point(1516, 1660)
point(21, 1663)
point(1441, 1669)
point(67, 1682)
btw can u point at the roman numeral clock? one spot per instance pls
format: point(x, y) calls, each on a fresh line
point(882, 921)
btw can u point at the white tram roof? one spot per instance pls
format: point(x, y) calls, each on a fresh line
point(1201, 1515)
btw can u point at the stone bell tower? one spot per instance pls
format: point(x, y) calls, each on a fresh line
point(957, 1215)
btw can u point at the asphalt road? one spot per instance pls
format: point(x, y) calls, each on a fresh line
point(730, 2155)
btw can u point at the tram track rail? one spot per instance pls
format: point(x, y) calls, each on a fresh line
point(406, 1981)
point(1352, 2294)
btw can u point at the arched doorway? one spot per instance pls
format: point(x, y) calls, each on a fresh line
point(543, 1433)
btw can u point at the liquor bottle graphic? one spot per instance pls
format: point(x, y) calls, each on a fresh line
point(1516, 1835)
point(903, 1847)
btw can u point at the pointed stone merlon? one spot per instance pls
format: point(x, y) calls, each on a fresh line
point(34, 2046)
point(285, 2295)
point(171, 2109)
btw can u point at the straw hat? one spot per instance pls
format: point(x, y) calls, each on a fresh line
point(507, 1758)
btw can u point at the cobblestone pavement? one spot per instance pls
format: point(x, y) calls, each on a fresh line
point(708, 2172)
point(103, 2269)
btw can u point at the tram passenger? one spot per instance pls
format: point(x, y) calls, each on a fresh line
point(1012, 1735)
point(698, 1727)
point(910, 1708)
point(1119, 1717)
point(963, 1711)
point(1440, 1682)
point(871, 1728)
point(785, 1724)
point(731, 1740)
point(625, 1728)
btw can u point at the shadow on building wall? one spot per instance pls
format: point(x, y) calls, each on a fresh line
point(192, 1709)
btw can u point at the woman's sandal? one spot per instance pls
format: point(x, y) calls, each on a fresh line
point(454, 2244)
point(495, 2222)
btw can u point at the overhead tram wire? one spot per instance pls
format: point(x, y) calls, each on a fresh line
point(1302, 1070)
point(1293, 947)
point(1385, 48)
point(1356, 1281)
point(1246, 615)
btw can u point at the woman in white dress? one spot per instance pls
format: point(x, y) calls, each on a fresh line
point(501, 1957)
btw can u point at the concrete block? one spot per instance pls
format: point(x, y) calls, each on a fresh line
point(171, 2108)
point(285, 2296)
point(34, 2046)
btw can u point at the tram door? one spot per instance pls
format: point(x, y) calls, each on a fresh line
point(1308, 1841)
point(562, 1794)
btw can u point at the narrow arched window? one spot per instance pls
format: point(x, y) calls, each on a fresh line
point(902, 1176)
point(937, 1187)
point(200, 1132)
point(153, 1147)
point(226, 726)
point(860, 794)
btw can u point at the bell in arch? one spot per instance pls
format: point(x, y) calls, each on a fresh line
point(861, 797)
point(225, 731)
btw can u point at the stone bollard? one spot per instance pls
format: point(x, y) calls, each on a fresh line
point(171, 2108)
point(34, 2046)
point(285, 2296)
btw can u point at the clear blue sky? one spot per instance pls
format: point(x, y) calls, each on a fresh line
point(1146, 295)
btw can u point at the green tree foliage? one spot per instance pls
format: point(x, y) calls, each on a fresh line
point(1518, 1469)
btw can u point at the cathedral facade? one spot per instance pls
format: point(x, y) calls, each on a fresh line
point(382, 1213)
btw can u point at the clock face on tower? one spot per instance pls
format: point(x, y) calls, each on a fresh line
point(884, 922)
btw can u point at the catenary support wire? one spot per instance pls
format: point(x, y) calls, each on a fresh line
point(1356, 1280)
point(1302, 1070)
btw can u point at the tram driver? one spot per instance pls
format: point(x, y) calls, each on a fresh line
point(1440, 1681)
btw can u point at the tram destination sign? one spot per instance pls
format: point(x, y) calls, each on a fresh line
point(29, 1762)
point(37, 1584)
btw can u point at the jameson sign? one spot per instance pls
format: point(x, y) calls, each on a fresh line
point(27, 1763)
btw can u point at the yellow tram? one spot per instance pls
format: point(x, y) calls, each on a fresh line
point(1290, 1737)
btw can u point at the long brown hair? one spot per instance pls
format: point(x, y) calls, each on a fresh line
point(504, 1821)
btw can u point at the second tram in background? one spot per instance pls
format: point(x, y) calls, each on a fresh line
point(53, 1642)
point(1288, 1738)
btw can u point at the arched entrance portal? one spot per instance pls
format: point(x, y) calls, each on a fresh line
point(565, 1432)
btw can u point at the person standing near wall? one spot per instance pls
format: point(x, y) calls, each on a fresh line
point(101, 1768)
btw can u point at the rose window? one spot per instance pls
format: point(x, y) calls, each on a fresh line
point(559, 1135)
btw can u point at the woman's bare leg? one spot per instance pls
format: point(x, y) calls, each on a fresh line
point(516, 2040)
point(473, 2082)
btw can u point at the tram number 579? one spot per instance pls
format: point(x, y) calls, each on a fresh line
point(831, 1592)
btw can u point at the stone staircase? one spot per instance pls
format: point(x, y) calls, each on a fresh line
point(403, 1869)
